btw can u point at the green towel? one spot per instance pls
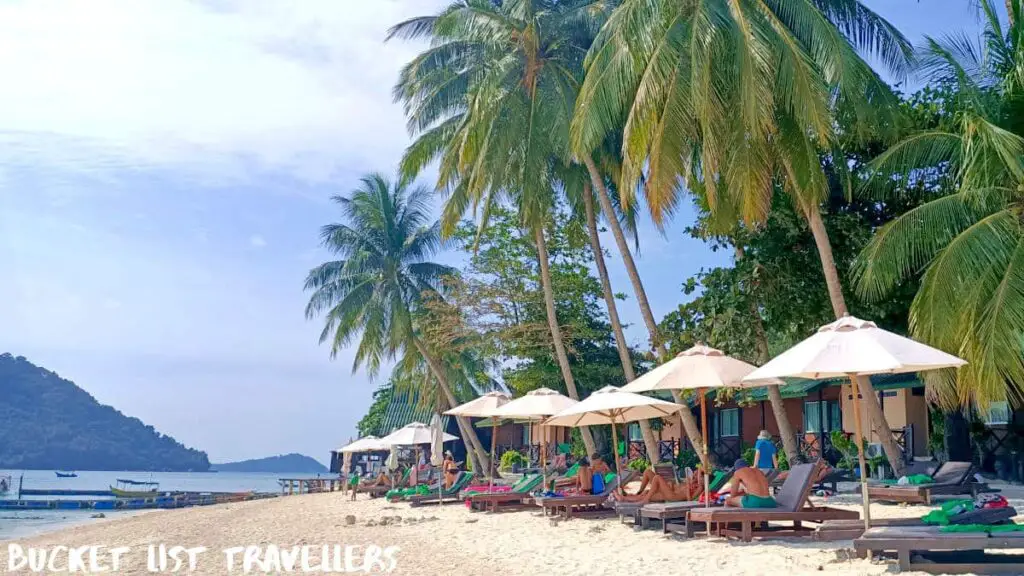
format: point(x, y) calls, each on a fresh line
point(912, 480)
point(988, 528)
point(571, 472)
point(943, 515)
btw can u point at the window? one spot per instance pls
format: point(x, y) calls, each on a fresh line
point(812, 417)
point(526, 434)
point(730, 422)
point(998, 414)
point(634, 432)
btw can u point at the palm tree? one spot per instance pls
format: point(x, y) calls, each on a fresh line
point(492, 99)
point(372, 292)
point(733, 95)
point(969, 243)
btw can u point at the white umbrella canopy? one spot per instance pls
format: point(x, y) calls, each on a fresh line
point(851, 347)
point(611, 405)
point(481, 407)
point(412, 434)
point(698, 367)
point(854, 346)
point(436, 440)
point(536, 404)
point(365, 444)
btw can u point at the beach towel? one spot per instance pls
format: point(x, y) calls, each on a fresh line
point(942, 516)
point(987, 528)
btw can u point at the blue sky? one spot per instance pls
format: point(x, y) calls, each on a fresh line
point(166, 166)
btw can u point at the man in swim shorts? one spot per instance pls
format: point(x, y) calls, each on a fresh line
point(750, 488)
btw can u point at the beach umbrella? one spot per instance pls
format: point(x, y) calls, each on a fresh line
point(392, 461)
point(700, 368)
point(436, 449)
point(537, 405)
point(611, 405)
point(484, 407)
point(848, 348)
point(364, 444)
point(412, 434)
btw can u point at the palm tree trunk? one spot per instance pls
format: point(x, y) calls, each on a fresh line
point(474, 446)
point(835, 293)
point(685, 416)
point(556, 331)
point(789, 442)
point(613, 315)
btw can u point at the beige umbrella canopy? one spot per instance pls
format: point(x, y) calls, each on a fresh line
point(365, 444)
point(699, 368)
point(851, 347)
point(484, 407)
point(412, 434)
point(537, 405)
point(611, 405)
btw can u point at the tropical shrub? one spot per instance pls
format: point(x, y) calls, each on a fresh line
point(511, 459)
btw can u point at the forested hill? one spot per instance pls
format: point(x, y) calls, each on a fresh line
point(278, 464)
point(47, 422)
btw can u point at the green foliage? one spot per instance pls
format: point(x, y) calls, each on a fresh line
point(47, 422)
point(638, 464)
point(748, 455)
point(783, 460)
point(499, 301)
point(371, 422)
point(512, 458)
point(847, 447)
point(687, 459)
point(970, 241)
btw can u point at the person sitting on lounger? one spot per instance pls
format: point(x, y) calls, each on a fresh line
point(598, 466)
point(584, 479)
point(750, 488)
point(451, 469)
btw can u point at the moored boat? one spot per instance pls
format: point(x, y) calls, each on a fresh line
point(124, 489)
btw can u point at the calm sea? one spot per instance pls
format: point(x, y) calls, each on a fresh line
point(16, 524)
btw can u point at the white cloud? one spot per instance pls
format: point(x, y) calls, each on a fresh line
point(257, 241)
point(299, 85)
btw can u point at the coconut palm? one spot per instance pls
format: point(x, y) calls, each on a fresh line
point(734, 96)
point(492, 99)
point(372, 292)
point(969, 243)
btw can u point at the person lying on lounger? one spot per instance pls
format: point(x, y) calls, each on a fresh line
point(654, 488)
point(750, 488)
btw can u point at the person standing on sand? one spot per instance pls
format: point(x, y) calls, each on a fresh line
point(766, 455)
point(450, 468)
point(750, 488)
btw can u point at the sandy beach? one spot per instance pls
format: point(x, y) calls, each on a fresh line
point(449, 539)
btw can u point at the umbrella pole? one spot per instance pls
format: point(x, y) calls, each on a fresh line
point(615, 454)
point(707, 459)
point(860, 452)
point(494, 440)
point(544, 458)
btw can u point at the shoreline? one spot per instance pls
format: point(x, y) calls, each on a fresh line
point(441, 540)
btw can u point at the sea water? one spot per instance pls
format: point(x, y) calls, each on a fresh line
point(15, 524)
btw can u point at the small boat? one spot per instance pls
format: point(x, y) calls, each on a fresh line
point(65, 474)
point(124, 489)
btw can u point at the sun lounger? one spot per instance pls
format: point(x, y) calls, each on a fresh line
point(949, 479)
point(495, 500)
point(665, 511)
point(445, 495)
point(569, 505)
point(833, 530)
point(793, 506)
point(932, 550)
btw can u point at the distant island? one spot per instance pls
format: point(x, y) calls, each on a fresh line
point(297, 463)
point(47, 422)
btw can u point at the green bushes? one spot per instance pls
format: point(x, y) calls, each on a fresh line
point(512, 458)
point(638, 464)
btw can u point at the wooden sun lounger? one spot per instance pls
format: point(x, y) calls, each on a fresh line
point(446, 495)
point(740, 522)
point(497, 500)
point(931, 550)
point(950, 479)
point(569, 505)
point(833, 530)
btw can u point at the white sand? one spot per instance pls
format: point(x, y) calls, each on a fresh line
point(451, 540)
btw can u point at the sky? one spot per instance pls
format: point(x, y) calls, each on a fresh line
point(165, 166)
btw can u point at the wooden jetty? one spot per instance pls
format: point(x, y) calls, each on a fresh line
point(292, 486)
point(165, 501)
